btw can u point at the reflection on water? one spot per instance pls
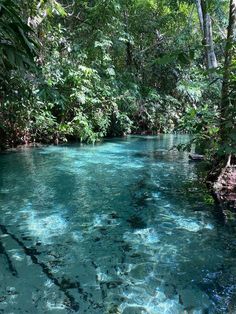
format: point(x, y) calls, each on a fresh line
point(116, 228)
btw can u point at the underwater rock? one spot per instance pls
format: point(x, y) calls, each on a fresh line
point(113, 284)
point(3, 298)
point(136, 222)
point(114, 215)
point(140, 271)
point(133, 310)
point(114, 309)
point(192, 298)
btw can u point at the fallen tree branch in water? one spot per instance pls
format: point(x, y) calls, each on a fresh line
point(73, 305)
point(11, 267)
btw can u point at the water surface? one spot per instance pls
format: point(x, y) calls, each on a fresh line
point(120, 227)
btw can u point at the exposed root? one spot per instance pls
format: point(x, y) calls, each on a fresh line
point(225, 185)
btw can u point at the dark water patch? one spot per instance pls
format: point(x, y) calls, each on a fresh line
point(11, 267)
point(136, 222)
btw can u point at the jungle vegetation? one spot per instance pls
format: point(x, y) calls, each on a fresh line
point(87, 69)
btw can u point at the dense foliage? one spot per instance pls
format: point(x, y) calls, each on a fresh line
point(86, 69)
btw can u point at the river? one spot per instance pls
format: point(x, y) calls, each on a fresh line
point(121, 227)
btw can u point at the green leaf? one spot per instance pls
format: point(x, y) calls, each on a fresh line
point(111, 71)
point(60, 9)
point(166, 59)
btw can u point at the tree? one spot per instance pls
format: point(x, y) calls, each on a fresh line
point(17, 41)
point(206, 27)
point(228, 99)
point(107, 68)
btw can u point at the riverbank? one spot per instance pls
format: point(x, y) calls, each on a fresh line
point(222, 182)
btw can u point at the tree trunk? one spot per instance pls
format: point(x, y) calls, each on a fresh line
point(199, 11)
point(228, 104)
point(129, 54)
point(211, 57)
point(224, 175)
point(206, 25)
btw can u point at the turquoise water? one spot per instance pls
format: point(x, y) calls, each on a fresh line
point(119, 227)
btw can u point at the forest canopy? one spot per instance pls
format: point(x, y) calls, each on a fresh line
point(88, 69)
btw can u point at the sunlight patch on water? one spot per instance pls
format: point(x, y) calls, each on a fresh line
point(190, 224)
point(156, 195)
point(77, 236)
point(72, 167)
point(193, 226)
point(102, 276)
point(55, 307)
point(46, 228)
point(48, 283)
point(17, 255)
point(103, 220)
point(43, 229)
point(147, 237)
point(100, 220)
point(145, 303)
point(134, 165)
point(5, 191)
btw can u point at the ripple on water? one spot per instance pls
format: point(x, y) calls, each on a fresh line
point(145, 236)
point(139, 301)
point(191, 224)
point(116, 226)
point(43, 229)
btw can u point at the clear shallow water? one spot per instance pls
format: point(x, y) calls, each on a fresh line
point(120, 227)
